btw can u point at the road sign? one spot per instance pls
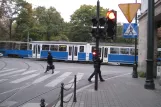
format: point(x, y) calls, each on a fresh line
point(130, 30)
point(129, 10)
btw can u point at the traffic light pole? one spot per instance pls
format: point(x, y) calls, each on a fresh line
point(96, 64)
point(135, 74)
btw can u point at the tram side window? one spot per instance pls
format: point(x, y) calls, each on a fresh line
point(45, 47)
point(8, 45)
point(62, 48)
point(114, 50)
point(2, 45)
point(30, 47)
point(23, 47)
point(124, 51)
point(105, 52)
point(17, 47)
point(70, 50)
point(76, 51)
point(81, 49)
point(159, 54)
point(132, 51)
point(93, 48)
point(54, 48)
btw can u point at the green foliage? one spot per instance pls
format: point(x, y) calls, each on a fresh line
point(47, 24)
point(142, 74)
point(81, 23)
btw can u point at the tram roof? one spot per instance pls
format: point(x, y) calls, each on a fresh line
point(58, 42)
point(77, 43)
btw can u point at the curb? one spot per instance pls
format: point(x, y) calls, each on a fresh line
point(85, 87)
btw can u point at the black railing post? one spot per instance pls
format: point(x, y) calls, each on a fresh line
point(62, 94)
point(75, 84)
point(42, 103)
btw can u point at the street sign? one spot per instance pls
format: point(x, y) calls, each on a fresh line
point(130, 30)
point(129, 10)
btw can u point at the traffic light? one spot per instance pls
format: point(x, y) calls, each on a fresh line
point(94, 27)
point(102, 26)
point(111, 23)
point(94, 54)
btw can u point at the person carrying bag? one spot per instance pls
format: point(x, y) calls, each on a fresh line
point(50, 63)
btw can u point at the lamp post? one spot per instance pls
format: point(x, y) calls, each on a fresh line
point(149, 83)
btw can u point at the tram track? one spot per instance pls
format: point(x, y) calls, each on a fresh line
point(5, 65)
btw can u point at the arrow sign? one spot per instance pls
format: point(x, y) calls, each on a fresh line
point(129, 10)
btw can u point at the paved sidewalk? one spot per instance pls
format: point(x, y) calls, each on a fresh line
point(122, 91)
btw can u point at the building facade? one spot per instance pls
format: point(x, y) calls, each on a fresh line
point(142, 40)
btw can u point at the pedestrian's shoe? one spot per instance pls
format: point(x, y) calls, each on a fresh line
point(89, 80)
point(102, 80)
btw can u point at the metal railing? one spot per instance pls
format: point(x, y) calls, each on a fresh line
point(61, 95)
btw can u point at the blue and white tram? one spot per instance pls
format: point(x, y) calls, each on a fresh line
point(68, 51)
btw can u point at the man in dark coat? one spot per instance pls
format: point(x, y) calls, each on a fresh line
point(99, 73)
point(50, 63)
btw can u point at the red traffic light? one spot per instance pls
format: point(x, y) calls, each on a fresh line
point(94, 53)
point(110, 15)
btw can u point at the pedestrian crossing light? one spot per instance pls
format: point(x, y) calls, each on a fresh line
point(94, 27)
point(111, 23)
point(102, 26)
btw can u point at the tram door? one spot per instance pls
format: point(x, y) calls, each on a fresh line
point(105, 54)
point(36, 51)
point(73, 53)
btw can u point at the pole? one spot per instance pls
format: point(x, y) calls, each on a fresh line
point(149, 83)
point(135, 74)
point(10, 29)
point(75, 81)
point(28, 40)
point(62, 94)
point(97, 48)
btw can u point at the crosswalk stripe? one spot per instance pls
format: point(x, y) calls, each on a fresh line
point(2, 80)
point(32, 105)
point(58, 80)
point(8, 104)
point(9, 73)
point(25, 78)
point(43, 78)
point(79, 76)
point(28, 72)
point(6, 70)
point(13, 75)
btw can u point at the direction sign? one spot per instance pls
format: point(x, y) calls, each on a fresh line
point(129, 10)
point(130, 30)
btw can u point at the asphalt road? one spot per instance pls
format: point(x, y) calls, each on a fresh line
point(23, 82)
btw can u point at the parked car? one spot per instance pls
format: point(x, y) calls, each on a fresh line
point(1, 54)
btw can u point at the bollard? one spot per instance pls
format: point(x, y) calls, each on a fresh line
point(42, 103)
point(62, 92)
point(75, 81)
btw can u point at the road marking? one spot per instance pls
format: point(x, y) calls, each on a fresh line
point(2, 80)
point(28, 72)
point(79, 77)
point(69, 67)
point(69, 95)
point(9, 73)
point(8, 104)
point(32, 105)
point(23, 87)
point(25, 78)
point(58, 80)
point(45, 77)
point(7, 70)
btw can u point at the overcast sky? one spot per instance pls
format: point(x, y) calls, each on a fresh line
point(67, 7)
